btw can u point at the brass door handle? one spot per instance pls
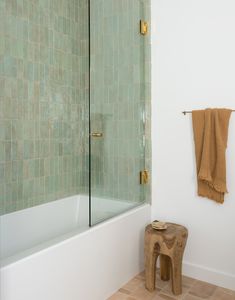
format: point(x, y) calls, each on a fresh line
point(97, 134)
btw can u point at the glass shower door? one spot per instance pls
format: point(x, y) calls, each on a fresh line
point(117, 106)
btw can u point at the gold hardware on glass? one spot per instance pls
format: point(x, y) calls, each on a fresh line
point(96, 134)
point(144, 177)
point(143, 27)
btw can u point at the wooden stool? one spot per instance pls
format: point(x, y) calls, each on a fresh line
point(169, 244)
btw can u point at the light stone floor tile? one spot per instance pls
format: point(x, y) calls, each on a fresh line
point(141, 293)
point(188, 281)
point(192, 290)
point(190, 297)
point(133, 284)
point(202, 289)
point(168, 291)
point(230, 292)
point(221, 295)
point(120, 296)
point(166, 297)
point(162, 297)
point(160, 283)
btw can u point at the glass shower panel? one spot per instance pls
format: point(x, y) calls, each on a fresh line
point(117, 106)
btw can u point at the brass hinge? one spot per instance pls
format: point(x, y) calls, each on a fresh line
point(143, 27)
point(144, 177)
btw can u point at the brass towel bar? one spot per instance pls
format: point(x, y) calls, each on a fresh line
point(189, 112)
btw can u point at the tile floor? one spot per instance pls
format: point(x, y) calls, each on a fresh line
point(192, 290)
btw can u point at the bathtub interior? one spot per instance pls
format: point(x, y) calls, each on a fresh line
point(36, 228)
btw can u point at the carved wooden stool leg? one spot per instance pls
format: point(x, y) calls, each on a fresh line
point(150, 268)
point(176, 265)
point(150, 271)
point(165, 265)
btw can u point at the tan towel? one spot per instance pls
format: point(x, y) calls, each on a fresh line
point(210, 129)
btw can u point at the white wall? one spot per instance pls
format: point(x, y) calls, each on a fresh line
point(193, 67)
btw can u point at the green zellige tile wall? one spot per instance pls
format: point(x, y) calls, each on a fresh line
point(43, 101)
point(120, 99)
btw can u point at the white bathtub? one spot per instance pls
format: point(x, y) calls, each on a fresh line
point(48, 252)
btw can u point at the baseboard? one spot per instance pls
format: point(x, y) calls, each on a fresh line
point(212, 276)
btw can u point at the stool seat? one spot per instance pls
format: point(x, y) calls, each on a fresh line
point(169, 244)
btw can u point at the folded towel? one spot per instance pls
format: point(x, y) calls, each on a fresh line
point(210, 129)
